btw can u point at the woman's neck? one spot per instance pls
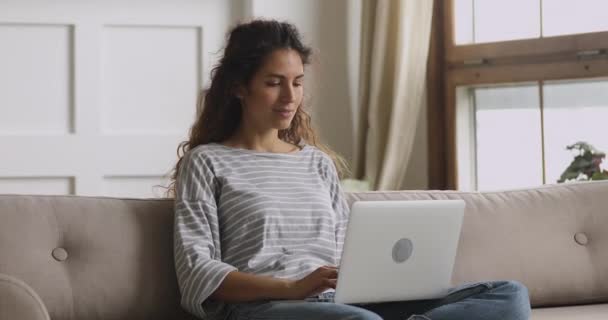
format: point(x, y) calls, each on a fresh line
point(266, 141)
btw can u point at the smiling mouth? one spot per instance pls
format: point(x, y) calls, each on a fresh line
point(284, 110)
point(284, 113)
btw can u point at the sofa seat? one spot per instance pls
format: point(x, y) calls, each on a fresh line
point(585, 312)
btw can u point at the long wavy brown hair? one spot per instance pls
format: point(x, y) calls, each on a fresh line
point(219, 110)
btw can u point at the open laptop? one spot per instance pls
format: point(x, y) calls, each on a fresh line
point(399, 250)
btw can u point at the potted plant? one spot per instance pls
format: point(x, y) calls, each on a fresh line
point(586, 164)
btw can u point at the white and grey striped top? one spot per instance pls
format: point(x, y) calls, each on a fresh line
point(275, 214)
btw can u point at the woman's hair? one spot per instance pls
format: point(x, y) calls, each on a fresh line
point(249, 44)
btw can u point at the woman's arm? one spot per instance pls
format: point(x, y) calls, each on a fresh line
point(242, 287)
point(338, 202)
point(197, 247)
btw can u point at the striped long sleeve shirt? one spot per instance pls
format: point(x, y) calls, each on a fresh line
point(274, 214)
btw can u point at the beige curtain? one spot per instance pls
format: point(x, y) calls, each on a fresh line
point(394, 49)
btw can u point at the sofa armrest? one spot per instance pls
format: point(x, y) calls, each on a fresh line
point(20, 301)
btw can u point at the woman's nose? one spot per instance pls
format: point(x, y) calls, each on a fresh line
point(288, 93)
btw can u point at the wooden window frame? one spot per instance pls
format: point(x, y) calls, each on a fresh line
point(543, 59)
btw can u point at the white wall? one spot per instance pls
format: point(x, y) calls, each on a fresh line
point(66, 126)
point(96, 95)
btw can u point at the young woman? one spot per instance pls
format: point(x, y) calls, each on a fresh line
point(259, 214)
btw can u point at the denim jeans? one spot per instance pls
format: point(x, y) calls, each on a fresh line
point(501, 300)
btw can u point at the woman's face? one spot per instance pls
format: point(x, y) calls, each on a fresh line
point(275, 92)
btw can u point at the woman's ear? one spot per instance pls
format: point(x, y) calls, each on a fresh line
point(240, 91)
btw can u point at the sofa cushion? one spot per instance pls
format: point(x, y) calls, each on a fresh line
point(553, 238)
point(92, 258)
point(588, 312)
point(19, 301)
point(109, 258)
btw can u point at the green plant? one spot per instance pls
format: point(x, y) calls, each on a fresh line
point(586, 164)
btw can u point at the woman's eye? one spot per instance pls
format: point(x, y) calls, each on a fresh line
point(273, 84)
point(297, 84)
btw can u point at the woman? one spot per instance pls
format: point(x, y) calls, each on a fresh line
point(259, 213)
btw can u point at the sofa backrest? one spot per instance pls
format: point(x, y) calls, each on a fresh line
point(92, 258)
point(109, 258)
point(553, 238)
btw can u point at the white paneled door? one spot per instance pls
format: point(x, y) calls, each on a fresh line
point(96, 95)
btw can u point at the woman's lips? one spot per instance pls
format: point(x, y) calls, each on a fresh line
point(284, 113)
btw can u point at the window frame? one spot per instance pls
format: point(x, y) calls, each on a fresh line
point(566, 57)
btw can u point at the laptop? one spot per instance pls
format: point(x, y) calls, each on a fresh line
point(399, 251)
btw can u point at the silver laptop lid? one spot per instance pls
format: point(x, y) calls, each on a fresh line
point(399, 250)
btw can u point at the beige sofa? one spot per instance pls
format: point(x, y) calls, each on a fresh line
point(86, 258)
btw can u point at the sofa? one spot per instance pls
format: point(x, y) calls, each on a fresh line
point(100, 258)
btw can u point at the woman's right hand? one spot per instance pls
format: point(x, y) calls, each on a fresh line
point(321, 279)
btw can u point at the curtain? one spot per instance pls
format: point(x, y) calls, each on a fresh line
point(395, 41)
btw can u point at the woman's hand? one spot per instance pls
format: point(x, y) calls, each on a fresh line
point(323, 278)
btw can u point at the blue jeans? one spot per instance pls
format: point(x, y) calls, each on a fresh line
point(501, 300)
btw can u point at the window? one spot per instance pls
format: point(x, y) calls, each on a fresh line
point(519, 139)
point(523, 80)
point(479, 21)
point(573, 111)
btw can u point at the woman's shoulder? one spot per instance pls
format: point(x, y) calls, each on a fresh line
point(320, 157)
point(315, 151)
point(207, 152)
point(205, 148)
